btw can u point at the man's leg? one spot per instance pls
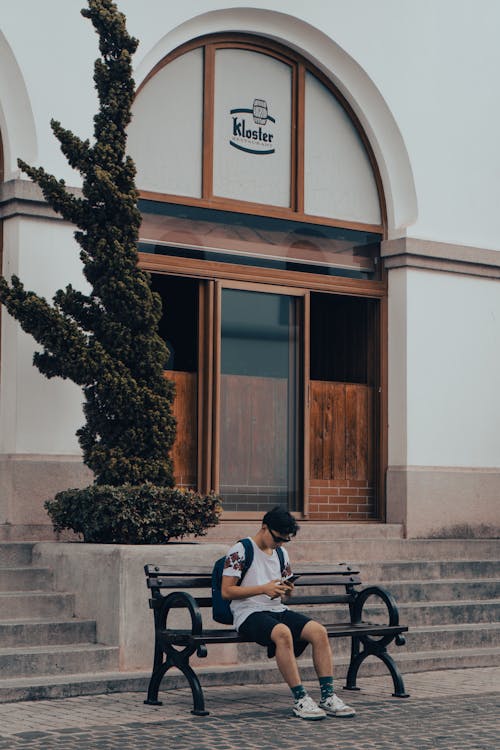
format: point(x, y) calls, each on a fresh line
point(316, 635)
point(285, 658)
point(304, 706)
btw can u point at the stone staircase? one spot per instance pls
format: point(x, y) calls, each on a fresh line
point(447, 591)
point(41, 640)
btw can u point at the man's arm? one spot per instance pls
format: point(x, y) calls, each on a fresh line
point(231, 590)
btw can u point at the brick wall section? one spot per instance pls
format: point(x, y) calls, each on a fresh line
point(341, 500)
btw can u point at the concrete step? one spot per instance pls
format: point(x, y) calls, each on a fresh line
point(446, 590)
point(15, 553)
point(404, 570)
point(428, 661)
point(46, 632)
point(228, 532)
point(443, 612)
point(388, 550)
point(60, 659)
point(26, 579)
point(82, 683)
point(18, 605)
point(452, 637)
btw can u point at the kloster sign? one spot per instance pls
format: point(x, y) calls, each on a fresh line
point(253, 134)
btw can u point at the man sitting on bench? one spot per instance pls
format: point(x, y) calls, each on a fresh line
point(260, 614)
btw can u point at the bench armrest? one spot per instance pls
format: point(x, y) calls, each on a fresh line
point(374, 591)
point(177, 600)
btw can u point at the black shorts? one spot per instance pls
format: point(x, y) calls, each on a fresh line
point(259, 625)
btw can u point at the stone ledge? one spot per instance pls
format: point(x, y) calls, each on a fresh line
point(25, 198)
point(409, 252)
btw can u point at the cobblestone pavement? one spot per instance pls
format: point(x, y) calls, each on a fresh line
point(453, 710)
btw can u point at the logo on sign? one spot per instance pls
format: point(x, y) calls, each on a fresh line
point(252, 129)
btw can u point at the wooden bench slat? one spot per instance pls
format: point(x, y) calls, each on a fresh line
point(325, 580)
point(171, 582)
point(298, 598)
point(202, 602)
point(183, 584)
point(155, 571)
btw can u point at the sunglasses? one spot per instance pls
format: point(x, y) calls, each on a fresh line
point(279, 539)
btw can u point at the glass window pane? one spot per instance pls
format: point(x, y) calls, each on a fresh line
point(261, 240)
point(338, 177)
point(259, 406)
point(165, 135)
point(252, 127)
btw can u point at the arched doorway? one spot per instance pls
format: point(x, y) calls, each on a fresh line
point(262, 217)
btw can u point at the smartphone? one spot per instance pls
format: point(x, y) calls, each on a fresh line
point(291, 579)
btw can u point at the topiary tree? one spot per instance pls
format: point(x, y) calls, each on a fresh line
point(106, 340)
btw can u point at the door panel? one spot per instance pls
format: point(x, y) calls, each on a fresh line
point(260, 400)
point(184, 451)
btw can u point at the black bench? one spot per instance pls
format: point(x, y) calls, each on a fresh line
point(174, 646)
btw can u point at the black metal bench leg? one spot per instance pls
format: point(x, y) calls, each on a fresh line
point(159, 671)
point(352, 672)
point(154, 684)
point(196, 690)
point(357, 659)
point(399, 688)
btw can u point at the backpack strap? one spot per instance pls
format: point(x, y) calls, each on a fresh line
point(281, 558)
point(248, 547)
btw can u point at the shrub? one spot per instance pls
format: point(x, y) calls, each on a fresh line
point(143, 514)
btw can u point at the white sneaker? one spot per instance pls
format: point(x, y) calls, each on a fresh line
point(306, 708)
point(334, 706)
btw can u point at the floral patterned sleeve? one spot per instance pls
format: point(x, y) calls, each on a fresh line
point(287, 570)
point(235, 558)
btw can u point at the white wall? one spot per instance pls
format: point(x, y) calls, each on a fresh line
point(37, 415)
point(444, 370)
point(453, 370)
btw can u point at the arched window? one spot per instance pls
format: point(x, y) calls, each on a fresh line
point(243, 122)
point(262, 218)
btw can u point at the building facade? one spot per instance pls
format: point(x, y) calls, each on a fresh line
point(319, 186)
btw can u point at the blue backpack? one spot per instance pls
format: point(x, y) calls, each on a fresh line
point(221, 608)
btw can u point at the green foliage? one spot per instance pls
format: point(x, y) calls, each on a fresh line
point(144, 514)
point(106, 341)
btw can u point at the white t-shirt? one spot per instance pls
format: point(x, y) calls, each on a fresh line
point(264, 568)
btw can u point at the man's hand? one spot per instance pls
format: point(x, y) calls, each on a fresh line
point(275, 588)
